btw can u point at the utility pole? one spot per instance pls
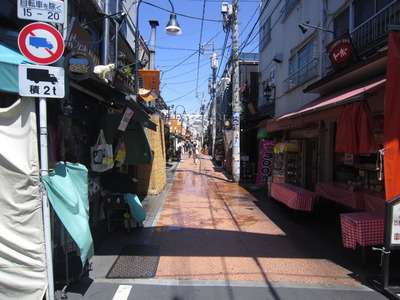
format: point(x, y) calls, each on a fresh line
point(202, 111)
point(214, 67)
point(212, 90)
point(230, 15)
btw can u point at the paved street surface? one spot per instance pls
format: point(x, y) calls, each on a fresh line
point(218, 240)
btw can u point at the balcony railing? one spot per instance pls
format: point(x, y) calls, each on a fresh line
point(303, 74)
point(372, 34)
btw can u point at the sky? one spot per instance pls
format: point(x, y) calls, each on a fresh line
point(185, 72)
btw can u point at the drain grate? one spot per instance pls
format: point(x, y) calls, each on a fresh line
point(136, 261)
point(240, 197)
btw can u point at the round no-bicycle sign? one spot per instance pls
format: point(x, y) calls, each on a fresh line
point(41, 43)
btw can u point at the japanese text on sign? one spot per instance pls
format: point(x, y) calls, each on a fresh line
point(41, 10)
point(265, 162)
point(41, 81)
point(395, 236)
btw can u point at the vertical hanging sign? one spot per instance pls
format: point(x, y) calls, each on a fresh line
point(265, 163)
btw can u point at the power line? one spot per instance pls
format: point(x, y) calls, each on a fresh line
point(201, 38)
point(183, 15)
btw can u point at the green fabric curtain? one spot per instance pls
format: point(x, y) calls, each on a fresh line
point(138, 150)
point(67, 190)
point(9, 61)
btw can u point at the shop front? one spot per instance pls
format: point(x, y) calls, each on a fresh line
point(73, 127)
point(341, 137)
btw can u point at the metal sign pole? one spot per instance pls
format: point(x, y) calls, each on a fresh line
point(44, 170)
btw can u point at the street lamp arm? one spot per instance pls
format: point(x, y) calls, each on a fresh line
point(172, 29)
point(184, 110)
point(303, 29)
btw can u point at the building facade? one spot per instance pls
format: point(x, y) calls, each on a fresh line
point(315, 62)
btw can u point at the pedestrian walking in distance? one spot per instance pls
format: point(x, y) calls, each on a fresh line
point(190, 150)
point(195, 153)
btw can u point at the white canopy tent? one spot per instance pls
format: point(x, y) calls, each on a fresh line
point(22, 243)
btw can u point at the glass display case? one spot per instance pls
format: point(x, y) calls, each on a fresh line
point(287, 164)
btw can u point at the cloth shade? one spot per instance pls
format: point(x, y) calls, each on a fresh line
point(22, 243)
point(354, 133)
point(67, 190)
point(9, 61)
point(138, 149)
point(262, 133)
point(391, 138)
point(135, 207)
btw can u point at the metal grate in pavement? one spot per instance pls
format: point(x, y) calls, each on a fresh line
point(136, 261)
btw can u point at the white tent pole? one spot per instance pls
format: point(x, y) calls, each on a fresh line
point(44, 169)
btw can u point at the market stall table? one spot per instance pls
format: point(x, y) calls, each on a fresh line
point(374, 201)
point(340, 193)
point(293, 196)
point(363, 228)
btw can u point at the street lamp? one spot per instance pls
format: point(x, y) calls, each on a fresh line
point(172, 28)
point(181, 118)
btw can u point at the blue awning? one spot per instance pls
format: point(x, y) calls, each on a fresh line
point(9, 61)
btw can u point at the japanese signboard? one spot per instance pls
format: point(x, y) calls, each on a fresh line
point(125, 119)
point(395, 226)
point(41, 81)
point(341, 51)
point(265, 163)
point(42, 10)
point(149, 84)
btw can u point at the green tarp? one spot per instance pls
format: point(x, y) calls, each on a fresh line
point(9, 61)
point(138, 150)
point(67, 190)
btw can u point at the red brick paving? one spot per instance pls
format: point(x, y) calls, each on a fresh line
point(210, 229)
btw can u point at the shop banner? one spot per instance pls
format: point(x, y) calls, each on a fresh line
point(391, 139)
point(149, 83)
point(265, 163)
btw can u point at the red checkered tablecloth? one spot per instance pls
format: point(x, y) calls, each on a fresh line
point(364, 228)
point(374, 201)
point(293, 196)
point(339, 192)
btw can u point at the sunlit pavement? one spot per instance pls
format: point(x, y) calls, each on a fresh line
point(219, 241)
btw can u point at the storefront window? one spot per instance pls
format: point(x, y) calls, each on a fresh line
point(360, 171)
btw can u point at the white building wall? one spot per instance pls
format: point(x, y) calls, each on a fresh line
point(287, 39)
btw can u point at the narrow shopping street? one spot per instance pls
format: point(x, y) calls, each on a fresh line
point(212, 234)
point(211, 229)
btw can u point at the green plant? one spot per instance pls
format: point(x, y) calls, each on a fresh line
point(127, 215)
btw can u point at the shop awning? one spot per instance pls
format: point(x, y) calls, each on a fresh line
point(9, 61)
point(324, 107)
point(96, 88)
point(138, 150)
